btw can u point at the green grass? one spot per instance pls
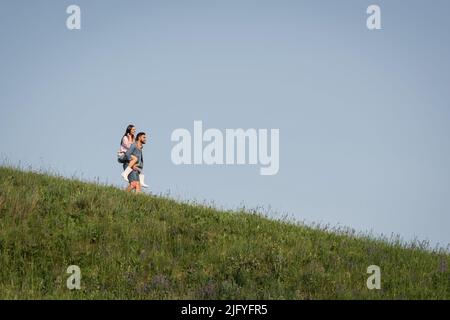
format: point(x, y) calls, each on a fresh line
point(148, 247)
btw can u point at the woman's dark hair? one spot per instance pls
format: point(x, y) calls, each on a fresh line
point(127, 132)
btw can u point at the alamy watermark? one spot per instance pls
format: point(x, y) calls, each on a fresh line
point(374, 20)
point(73, 22)
point(232, 147)
point(74, 280)
point(374, 281)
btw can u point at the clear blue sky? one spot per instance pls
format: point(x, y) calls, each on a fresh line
point(364, 116)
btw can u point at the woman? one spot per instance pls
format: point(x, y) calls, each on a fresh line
point(126, 142)
point(129, 164)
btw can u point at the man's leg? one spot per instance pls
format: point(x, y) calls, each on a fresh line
point(129, 188)
point(134, 181)
point(138, 187)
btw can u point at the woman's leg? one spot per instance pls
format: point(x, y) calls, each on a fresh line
point(142, 180)
point(133, 161)
point(129, 168)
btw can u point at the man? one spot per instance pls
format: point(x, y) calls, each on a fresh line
point(135, 153)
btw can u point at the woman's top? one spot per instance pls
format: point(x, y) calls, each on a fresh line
point(125, 145)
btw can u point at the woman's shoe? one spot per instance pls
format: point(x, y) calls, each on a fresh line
point(141, 180)
point(126, 173)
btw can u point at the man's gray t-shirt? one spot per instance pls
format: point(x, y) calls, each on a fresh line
point(135, 151)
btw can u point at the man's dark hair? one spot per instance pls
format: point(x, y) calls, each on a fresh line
point(140, 134)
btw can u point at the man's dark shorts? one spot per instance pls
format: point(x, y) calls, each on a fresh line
point(133, 176)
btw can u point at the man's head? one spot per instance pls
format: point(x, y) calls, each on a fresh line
point(141, 137)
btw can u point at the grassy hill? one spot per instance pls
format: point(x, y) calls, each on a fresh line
point(147, 247)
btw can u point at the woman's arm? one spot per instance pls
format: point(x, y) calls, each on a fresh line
point(126, 142)
point(125, 145)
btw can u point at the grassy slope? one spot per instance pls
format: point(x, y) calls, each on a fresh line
point(145, 247)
